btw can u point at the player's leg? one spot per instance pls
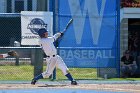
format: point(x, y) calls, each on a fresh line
point(124, 71)
point(61, 65)
point(50, 67)
point(51, 63)
point(133, 69)
point(34, 80)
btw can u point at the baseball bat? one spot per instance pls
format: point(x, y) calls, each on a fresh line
point(68, 25)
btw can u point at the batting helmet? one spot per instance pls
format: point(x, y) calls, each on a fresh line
point(42, 31)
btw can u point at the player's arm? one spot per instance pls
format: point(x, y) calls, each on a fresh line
point(57, 35)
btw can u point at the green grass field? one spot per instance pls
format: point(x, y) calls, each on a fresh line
point(25, 72)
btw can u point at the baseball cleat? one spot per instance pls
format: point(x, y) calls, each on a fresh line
point(73, 83)
point(33, 82)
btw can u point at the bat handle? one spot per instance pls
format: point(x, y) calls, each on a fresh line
point(63, 31)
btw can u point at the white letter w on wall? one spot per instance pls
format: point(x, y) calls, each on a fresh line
point(95, 18)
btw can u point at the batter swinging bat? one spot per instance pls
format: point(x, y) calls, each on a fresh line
point(67, 26)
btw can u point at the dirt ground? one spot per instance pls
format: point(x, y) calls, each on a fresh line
point(132, 88)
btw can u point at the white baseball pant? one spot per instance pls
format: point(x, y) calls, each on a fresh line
point(53, 62)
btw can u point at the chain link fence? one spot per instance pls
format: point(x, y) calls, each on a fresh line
point(27, 65)
point(21, 68)
point(24, 67)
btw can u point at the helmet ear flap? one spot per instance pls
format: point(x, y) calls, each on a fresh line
point(43, 35)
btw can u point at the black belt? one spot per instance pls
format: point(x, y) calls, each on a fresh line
point(50, 56)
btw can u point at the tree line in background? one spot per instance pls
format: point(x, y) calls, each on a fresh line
point(130, 3)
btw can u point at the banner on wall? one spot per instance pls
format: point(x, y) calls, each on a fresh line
point(91, 40)
point(31, 22)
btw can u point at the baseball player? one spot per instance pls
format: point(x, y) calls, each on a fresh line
point(53, 60)
point(9, 53)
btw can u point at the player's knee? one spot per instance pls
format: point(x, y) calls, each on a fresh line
point(46, 74)
point(67, 71)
